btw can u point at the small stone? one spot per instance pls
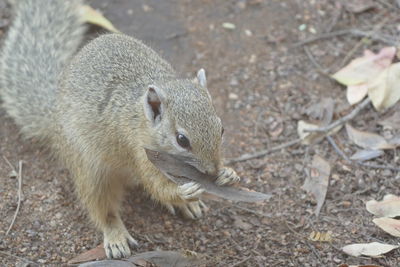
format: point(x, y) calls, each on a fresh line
point(228, 25)
point(346, 204)
point(147, 8)
point(233, 96)
point(248, 32)
point(233, 82)
point(302, 27)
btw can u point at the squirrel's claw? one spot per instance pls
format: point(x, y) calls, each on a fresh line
point(192, 210)
point(227, 176)
point(190, 191)
point(117, 247)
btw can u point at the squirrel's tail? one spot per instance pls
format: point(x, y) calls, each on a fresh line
point(41, 40)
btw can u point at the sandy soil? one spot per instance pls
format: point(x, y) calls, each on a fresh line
point(262, 84)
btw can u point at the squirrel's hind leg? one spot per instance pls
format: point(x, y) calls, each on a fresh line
point(102, 193)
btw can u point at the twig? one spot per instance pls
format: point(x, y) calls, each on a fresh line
point(19, 191)
point(17, 257)
point(263, 152)
point(364, 164)
point(314, 251)
point(316, 64)
point(355, 32)
point(253, 211)
point(344, 119)
point(338, 150)
point(241, 262)
point(360, 43)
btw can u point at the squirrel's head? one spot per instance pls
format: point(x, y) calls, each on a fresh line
point(183, 122)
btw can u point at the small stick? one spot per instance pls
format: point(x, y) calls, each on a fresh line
point(316, 64)
point(360, 43)
point(241, 262)
point(263, 152)
point(253, 211)
point(338, 150)
point(364, 164)
point(17, 257)
point(344, 119)
point(355, 32)
point(19, 192)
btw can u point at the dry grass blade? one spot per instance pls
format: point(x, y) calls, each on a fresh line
point(19, 191)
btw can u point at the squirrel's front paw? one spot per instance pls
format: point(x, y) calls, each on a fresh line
point(190, 191)
point(227, 176)
point(192, 210)
point(116, 244)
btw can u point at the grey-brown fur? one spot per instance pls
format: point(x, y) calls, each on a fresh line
point(97, 110)
point(33, 55)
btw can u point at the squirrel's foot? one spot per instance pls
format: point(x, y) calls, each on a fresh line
point(190, 191)
point(227, 176)
point(117, 243)
point(192, 210)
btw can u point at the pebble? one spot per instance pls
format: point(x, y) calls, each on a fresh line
point(233, 96)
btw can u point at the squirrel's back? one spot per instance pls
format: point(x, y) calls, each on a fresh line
point(42, 39)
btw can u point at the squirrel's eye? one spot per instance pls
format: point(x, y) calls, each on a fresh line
point(182, 140)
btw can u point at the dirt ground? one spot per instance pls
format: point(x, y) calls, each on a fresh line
point(262, 84)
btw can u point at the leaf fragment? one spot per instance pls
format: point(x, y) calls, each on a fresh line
point(362, 69)
point(178, 170)
point(389, 225)
point(367, 140)
point(356, 93)
point(388, 207)
point(321, 236)
point(307, 137)
point(93, 16)
point(96, 253)
point(384, 91)
point(317, 182)
point(373, 249)
point(366, 154)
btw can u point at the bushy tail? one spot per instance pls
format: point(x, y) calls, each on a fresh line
point(41, 40)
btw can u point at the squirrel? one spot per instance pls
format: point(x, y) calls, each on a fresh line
point(98, 106)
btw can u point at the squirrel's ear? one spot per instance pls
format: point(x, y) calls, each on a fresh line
point(154, 102)
point(201, 78)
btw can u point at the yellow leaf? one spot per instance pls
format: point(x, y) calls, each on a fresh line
point(384, 91)
point(92, 16)
point(362, 69)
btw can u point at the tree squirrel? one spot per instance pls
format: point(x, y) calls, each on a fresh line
point(98, 108)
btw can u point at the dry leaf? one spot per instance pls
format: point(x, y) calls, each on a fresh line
point(373, 249)
point(356, 93)
point(157, 258)
point(307, 137)
point(384, 91)
point(317, 182)
point(366, 154)
point(321, 236)
point(389, 225)
point(365, 68)
point(178, 170)
point(96, 253)
point(369, 265)
point(367, 140)
point(388, 207)
point(392, 121)
point(92, 16)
